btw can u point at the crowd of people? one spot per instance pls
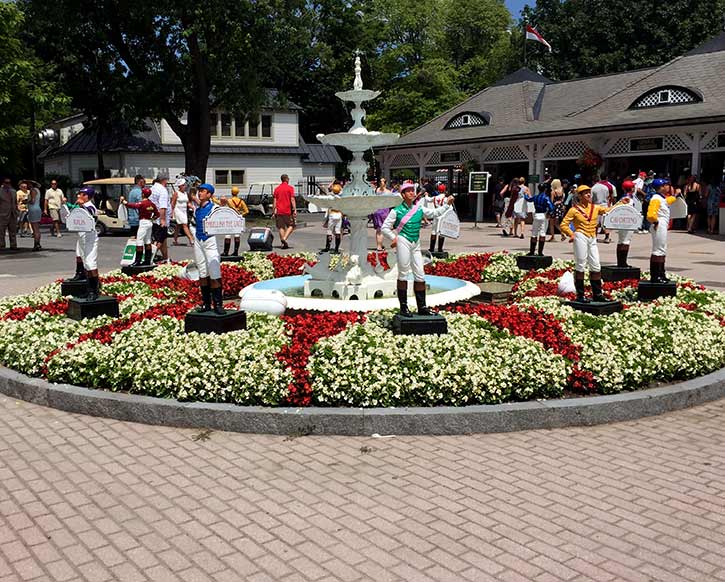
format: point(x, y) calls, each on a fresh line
point(510, 201)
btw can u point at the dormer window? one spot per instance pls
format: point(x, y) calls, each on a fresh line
point(666, 96)
point(468, 119)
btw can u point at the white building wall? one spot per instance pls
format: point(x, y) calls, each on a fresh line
point(285, 128)
point(323, 173)
point(285, 132)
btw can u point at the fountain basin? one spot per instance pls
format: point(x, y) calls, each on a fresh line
point(442, 291)
point(356, 206)
point(360, 142)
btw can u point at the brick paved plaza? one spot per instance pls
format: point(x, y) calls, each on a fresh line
point(94, 499)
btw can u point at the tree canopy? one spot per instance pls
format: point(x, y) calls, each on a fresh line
point(595, 37)
point(28, 90)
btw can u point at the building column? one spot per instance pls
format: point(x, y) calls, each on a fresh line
point(696, 155)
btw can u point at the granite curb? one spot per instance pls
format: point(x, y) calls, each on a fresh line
point(364, 422)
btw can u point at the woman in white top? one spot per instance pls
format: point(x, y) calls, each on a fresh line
point(180, 206)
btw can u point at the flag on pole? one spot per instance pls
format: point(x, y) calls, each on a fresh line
point(533, 34)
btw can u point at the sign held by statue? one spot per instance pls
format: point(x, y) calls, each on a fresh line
point(624, 217)
point(223, 220)
point(79, 220)
point(450, 225)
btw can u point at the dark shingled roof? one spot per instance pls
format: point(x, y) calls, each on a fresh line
point(526, 103)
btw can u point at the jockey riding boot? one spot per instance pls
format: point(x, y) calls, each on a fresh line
point(419, 290)
point(579, 285)
point(596, 287)
point(80, 271)
point(441, 240)
point(146, 255)
point(432, 243)
point(237, 242)
point(92, 288)
point(540, 252)
point(216, 294)
point(532, 247)
point(403, 299)
point(654, 269)
point(227, 244)
point(622, 252)
point(205, 298)
point(139, 257)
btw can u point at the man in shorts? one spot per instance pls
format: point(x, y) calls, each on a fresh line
point(284, 210)
point(54, 199)
point(160, 198)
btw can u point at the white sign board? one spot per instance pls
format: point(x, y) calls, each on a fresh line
point(678, 209)
point(449, 225)
point(223, 220)
point(64, 212)
point(80, 220)
point(624, 217)
point(123, 214)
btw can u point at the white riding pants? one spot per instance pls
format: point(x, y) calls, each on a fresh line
point(538, 228)
point(586, 252)
point(143, 235)
point(624, 237)
point(206, 257)
point(334, 223)
point(659, 238)
point(87, 249)
point(409, 259)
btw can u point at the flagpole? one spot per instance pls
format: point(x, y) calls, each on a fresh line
point(525, 44)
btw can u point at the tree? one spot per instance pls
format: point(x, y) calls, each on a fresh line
point(173, 59)
point(591, 37)
point(27, 93)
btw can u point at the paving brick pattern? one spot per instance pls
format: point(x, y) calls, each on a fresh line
point(95, 499)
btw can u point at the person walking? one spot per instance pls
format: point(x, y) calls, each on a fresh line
point(713, 204)
point(557, 199)
point(8, 214)
point(378, 217)
point(180, 210)
point(284, 209)
point(692, 199)
point(603, 194)
point(21, 198)
point(54, 199)
point(34, 215)
point(135, 196)
point(520, 216)
point(499, 193)
point(160, 198)
point(513, 193)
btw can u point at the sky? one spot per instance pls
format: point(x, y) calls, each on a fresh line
point(515, 6)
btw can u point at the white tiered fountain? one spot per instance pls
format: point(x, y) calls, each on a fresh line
point(352, 284)
point(356, 279)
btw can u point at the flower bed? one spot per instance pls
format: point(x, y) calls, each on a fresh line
point(533, 348)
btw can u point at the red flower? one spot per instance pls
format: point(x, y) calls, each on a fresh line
point(286, 266)
point(469, 268)
point(306, 329)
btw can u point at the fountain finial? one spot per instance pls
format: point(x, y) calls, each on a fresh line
point(358, 84)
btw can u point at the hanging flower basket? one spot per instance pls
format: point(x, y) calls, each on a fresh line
point(590, 160)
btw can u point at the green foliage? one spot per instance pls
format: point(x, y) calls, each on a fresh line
point(591, 37)
point(27, 88)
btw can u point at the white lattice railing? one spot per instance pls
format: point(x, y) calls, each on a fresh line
point(512, 153)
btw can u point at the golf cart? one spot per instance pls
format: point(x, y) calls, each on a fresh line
point(108, 221)
point(260, 197)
